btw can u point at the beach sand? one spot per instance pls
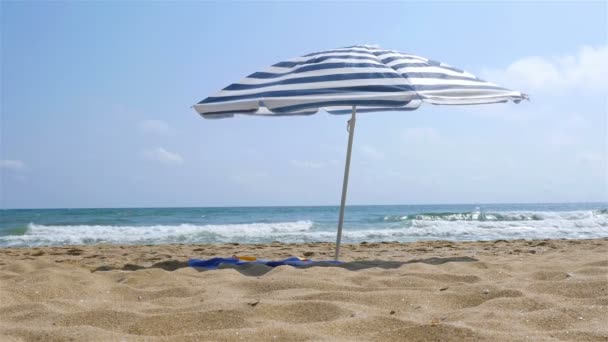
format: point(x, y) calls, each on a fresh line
point(544, 290)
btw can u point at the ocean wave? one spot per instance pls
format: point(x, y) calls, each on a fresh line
point(499, 216)
point(425, 226)
point(468, 231)
point(38, 235)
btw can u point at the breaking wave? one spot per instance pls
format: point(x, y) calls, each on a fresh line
point(500, 216)
point(37, 235)
point(457, 226)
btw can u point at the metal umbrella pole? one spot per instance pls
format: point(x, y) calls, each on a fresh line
point(351, 133)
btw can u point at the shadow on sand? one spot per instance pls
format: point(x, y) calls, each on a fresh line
point(255, 270)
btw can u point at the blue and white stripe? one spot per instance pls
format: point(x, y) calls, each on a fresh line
point(371, 78)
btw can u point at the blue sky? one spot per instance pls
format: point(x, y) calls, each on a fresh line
point(96, 96)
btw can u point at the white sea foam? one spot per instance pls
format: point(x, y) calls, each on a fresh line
point(501, 216)
point(184, 233)
point(505, 225)
point(446, 226)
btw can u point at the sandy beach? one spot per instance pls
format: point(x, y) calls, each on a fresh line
point(549, 290)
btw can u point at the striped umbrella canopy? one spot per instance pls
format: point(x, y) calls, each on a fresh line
point(349, 80)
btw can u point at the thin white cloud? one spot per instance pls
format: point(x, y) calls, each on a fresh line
point(155, 127)
point(423, 134)
point(370, 153)
point(561, 138)
point(307, 164)
point(586, 70)
point(568, 131)
point(161, 155)
point(333, 149)
point(591, 157)
point(12, 165)
point(251, 178)
point(251, 152)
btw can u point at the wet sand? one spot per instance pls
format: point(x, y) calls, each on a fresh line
point(542, 290)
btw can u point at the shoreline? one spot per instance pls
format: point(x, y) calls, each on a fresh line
point(147, 255)
point(551, 290)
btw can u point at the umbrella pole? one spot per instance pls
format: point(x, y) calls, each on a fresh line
point(351, 133)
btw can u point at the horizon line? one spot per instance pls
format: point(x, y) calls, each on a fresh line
point(304, 205)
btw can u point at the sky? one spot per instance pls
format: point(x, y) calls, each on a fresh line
point(96, 105)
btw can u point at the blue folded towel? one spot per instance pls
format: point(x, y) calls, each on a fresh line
point(214, 263)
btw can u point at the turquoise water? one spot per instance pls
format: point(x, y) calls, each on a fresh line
point(42, 227)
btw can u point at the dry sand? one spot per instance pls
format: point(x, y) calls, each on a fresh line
point(549, 290)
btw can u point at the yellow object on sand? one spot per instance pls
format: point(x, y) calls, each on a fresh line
point(246, 258)
point(252, 258)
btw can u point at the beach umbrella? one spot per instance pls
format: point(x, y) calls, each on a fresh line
point(349, 80)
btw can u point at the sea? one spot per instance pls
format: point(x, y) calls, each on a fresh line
point(299, 224)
